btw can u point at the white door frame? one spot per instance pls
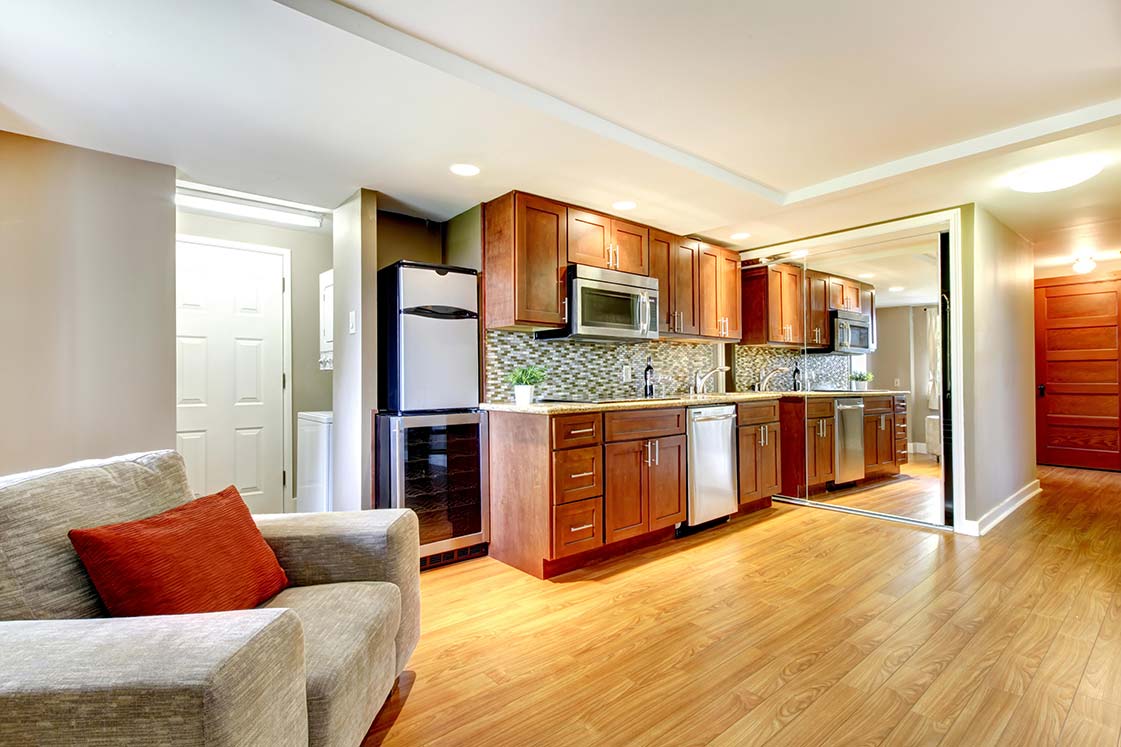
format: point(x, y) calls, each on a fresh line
point(286, 341)
point(943, 220)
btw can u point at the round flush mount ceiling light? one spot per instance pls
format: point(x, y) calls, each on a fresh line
point(1056, 174)
point(624, 205)
point(741, 236)
point(896, 288)
point(1083, 265)
point(464, 169)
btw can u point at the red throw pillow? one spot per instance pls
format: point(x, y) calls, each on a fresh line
point(204, 556)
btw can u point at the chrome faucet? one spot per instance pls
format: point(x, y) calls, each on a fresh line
point(765, 382)
point(701, 379)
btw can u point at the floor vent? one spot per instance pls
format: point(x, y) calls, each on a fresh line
point(453, 556)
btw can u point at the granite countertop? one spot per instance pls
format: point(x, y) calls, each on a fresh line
point(562, 408)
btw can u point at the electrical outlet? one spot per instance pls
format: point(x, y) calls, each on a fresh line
point(352, 322)
point(626, 374)
point(897, 383)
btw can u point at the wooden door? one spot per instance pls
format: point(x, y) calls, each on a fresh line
point(540, 246)
point(625, 510)
point(663, 249)
point(844, 294)
point(589, 238)
point(749, 438)
point(685, 284)
point(666, 488)
point(1078, 422)
point(871, 441)
point(885, 441)
point(769, 461)
point(819, 451)
point(817, 307)
point(825, 456)
point(729, 293)
point(708, 270)
point(632, 247)
point(785, 302)
point(776, 325)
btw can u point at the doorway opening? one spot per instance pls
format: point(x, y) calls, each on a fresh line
point(233, 369)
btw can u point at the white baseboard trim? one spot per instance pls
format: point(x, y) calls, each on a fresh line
point(999, 512)
point(917, 447)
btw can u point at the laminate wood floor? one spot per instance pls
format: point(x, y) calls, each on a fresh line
point(915, 493)
point(791, 627)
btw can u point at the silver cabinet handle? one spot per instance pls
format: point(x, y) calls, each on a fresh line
point(581, 528)
point(574, 431)
point(566, 310)
point(581, 474)
point(762, 435)
point(657, 452)
point(883, 418)
point(649, 452)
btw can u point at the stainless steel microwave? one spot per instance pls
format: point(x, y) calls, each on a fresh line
point(852, 333)
point(607, 305)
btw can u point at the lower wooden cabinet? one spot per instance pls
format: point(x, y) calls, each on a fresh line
point(760, 461)
point(644, 486)
point(879, 443)
point(820, 455)
point(667, 490)
point(577, 527)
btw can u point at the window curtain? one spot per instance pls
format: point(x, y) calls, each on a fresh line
point(934, 359)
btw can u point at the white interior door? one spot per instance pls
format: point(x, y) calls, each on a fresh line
point(229, 368)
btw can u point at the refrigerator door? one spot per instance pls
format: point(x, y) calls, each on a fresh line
point(439, 362)
point(425, 286)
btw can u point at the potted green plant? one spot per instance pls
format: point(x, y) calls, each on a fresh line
point(860, 380)
point(524, 379)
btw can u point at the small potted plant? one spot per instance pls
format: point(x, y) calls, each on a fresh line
point(524, 379)
point(860, 380)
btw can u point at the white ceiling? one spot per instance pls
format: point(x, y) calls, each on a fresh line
point(909, 264)
point(782, 119)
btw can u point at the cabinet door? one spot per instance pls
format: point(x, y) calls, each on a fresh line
point(749, 437)
point(825, 458)
point(885, 441)
point(871, 441)
point(665, 486)
point(769, 461)
point(589, 236)
point(776, 326)
point(708, 269)
point(540, 245)
point(784, 303)
point(624, 496)
point(663, 248)
point(844, 294)
point(685, 284)
point(817, 326)
point(729, 293)
point(632, 247)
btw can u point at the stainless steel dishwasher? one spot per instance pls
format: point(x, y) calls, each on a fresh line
point(712, 463)
point(848, 439)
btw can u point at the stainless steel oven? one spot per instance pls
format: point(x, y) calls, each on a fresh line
point(608, 305)
point(852, 333)
point(437, 465)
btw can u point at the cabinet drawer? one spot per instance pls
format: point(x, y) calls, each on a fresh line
point(901, 403)
point(901, 420)
point(819, 408)
point(878, 404)
point(577, 527)
point(628, 425)
point(901, 452)
point(577, 474)
point(582, 429)
point(754, 413)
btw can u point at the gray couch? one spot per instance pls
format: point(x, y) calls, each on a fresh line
point(311, 666)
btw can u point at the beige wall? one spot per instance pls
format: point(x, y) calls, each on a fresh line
point(87, 318)
point(891, 363)
point(405, 237)
point(311, 252)
point(919, 408)
point(998, 356)
point(463, 239)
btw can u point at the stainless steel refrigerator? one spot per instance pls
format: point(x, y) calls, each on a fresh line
point(431, 436)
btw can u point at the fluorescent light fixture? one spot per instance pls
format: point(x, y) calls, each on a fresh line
point(624, 205)
point(741, 236)
point(464, 169)
point(799, 253)
point(1056, 174)
point(241, 210)
point(1084, 265)
point(208, 189)
point(895, 288)
point(866, 275)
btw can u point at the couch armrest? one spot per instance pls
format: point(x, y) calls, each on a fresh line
point(225, 678)
point(378, 545)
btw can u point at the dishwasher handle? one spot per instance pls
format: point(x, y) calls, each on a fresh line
point(850, 407)
point(711, 418)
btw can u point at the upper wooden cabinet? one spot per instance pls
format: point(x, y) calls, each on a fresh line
point(674, 262)
point(602, 241)
point(818, 326)
point(524, 262)
point(661, 269)
point(844, 294)
point(718, 271)
point(773, 305)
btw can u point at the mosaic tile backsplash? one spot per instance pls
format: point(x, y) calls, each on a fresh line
point(591, 369)
point(830, 371)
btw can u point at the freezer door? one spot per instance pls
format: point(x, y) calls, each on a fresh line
point(439, 362)
point(424, 286)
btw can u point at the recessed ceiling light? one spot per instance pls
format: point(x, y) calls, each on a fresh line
point(741, 236)
point(464, 169)
point(1058, 173)
point(895, 288)
point(624, 205)
point(799, 253)
point(1084, 265)
point(866, 275)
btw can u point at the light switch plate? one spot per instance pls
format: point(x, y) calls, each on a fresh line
point(352, 322)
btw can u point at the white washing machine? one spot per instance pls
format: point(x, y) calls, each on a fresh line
point(313, 461)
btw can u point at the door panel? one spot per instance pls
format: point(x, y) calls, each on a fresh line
point(708, 268)
point(792, 305)
point(229, 364)
point(663, 248)
point(749, 462)
point(625, 508)
point(589, 235)
point(632, 244)
point(729, 300)
point(540, 247)
point(769, 462)
point(1078, 408)
point(685, 284)
point(666, 487)
point(817, 327)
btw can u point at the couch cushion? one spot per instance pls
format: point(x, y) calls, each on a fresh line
point(350, 654)
point(40, 574)
point(204, 556)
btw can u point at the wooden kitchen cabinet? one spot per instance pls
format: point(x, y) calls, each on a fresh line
point(759, 461)
point(879, 443)
point(820, 458)
point(819, 327)
point(662, 248)
point(644, 478)
point(667, 489)
point(524, 262)
point(602, 241)
point(685, 287)
point(625, 508)
point(773, 305)
point(844, 294)
point(719, 287)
